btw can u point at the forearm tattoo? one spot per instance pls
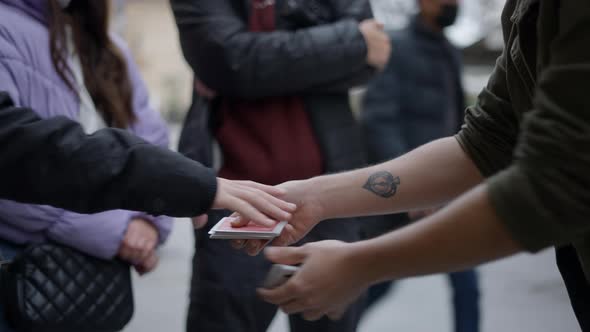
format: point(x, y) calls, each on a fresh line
point(382, 184)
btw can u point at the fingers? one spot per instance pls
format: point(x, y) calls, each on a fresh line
point(278, 296)
point(286, 255)
point(295, 307)
point(151, 262)
point(239, 221)
point(336, 314)
point(136, 249)
point(272, 190)
point(143, 250)
point(131, 253)
point(287, 292)
point(281, 204)
point(134, 255)
point(238, 244)
point(252, 247)
point(148, 265)
point(268, 204)
point(286, 238)
point(249, 211)
point(254, 202)
point(312, 316)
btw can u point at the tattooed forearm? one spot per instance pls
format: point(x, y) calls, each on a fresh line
point(382, 184)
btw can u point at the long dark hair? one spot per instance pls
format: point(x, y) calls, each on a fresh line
point(103, 65)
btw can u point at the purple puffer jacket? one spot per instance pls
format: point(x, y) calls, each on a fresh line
point(28, 75)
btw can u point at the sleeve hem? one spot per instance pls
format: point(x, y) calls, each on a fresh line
point(515, 211)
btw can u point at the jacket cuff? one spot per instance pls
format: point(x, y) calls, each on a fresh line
point(206, 190)
point(468, 139)
point(357, 44)
point(99, 235)
point(111, 242)
point(515, 203)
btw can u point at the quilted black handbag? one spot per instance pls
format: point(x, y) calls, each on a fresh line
point(52, 288)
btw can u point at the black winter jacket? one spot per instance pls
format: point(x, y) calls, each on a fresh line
point(411, 102)
point(317, 52)
point(108, 170)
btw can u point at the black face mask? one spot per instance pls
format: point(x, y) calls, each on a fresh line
point(447, 16)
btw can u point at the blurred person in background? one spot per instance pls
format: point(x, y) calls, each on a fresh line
point(58, 58)
point(419, 98)
point(272, 81)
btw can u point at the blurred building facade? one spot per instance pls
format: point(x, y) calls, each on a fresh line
point(149, 28)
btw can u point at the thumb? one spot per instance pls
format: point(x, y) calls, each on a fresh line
point(285, 255)
point(238, 221)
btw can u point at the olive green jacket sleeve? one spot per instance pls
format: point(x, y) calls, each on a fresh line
point(537, 163)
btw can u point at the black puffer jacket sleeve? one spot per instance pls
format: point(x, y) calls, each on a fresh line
point(54, 162)
point(235, 62)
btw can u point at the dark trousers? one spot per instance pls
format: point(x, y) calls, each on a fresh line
point(465, 290)
point(223, 287)
point(577, 286)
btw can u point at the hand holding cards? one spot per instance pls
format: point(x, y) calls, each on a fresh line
point(225, 231)
point(278, 275)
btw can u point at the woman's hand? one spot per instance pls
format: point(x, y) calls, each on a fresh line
point(148, 265)
point(305, 218)
point(331, 278)
point(253, 201)
point(139, 243)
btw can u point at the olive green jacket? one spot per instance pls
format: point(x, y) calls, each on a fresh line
point(529, 132)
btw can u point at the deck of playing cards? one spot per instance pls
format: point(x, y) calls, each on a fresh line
point(225, 231)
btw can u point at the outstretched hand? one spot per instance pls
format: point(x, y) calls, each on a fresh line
point(305, 218)
point(256, 202)
point(330, 279)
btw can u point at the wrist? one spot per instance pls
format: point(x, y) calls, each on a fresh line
point(315, 192)
point(362, 264)
point(218, 197)
point(368, 261)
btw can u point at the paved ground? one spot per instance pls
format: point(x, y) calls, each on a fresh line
point(522, 294)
